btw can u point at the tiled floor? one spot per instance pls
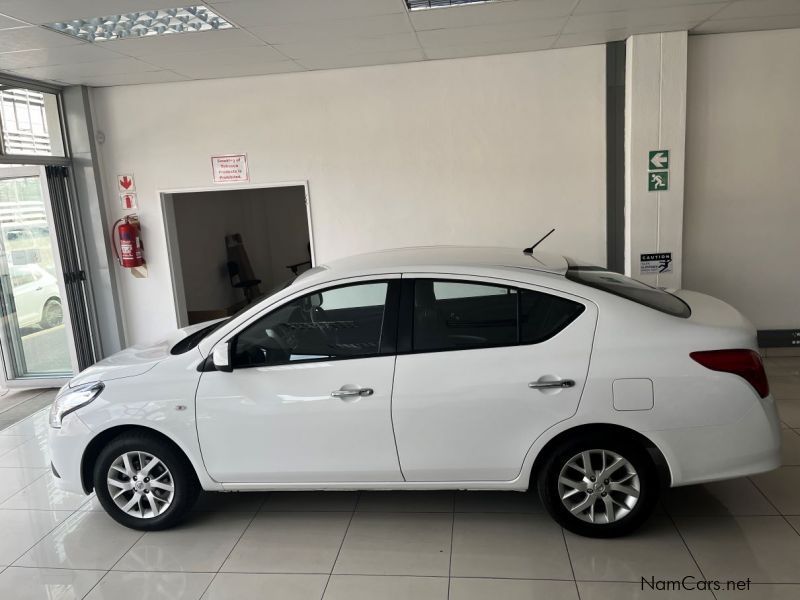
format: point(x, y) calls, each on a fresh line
point(439, 545)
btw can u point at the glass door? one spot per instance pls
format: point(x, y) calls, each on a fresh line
point(35, 332)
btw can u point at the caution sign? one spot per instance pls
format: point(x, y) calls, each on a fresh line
point(654, 263)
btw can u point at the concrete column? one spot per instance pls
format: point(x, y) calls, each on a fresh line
point(655, 119)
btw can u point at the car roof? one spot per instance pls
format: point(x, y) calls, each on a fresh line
point(424, 258)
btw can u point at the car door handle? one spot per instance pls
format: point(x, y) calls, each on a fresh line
point(352, 393)
point(558, 383)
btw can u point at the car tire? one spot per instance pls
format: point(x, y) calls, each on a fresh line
point(145, 495)
point(52, 314)
point(625, 486)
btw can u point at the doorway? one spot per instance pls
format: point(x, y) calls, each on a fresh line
point(229, 247)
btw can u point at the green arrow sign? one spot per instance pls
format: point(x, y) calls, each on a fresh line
point(657, 160)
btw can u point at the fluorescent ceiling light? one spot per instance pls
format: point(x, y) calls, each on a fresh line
point(142, 24)
point(426, 4)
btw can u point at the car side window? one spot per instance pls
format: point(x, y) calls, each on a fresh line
point(454, 315)
point(451, 315)
point(340, 322)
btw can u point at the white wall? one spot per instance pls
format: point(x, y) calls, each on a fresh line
point(274, 227)
point(742, 209)
point(486, 151)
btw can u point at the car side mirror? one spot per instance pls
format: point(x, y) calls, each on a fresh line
point(221, 357)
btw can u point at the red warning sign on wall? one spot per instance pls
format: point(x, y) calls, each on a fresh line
point(125, 183)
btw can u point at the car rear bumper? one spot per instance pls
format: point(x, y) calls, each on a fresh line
point(745, 447)
point(67, 445)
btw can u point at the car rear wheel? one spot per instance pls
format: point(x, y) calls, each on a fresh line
point(598, 487)
point(144, 482)
point(52, 313)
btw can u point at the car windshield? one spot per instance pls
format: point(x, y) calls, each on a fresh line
point(193, 339)
point(625, 287)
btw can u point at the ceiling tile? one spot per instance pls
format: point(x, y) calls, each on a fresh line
point(188, 42)
point(129, 79)
point(8, 22)
point(485, 49)
point(751, 24)
point(436, 38)
point(251, 13)
point(32, 38)
point(635, 19)
point(333, 61)
point(80, 53)
point(92, 69)
point(50, 11)
point(256, 55)
point(350, 46)
point(490, 13)
point(569, 40)
point(759, 8)
point(219, 72)
point(597, 6)
point(313, 30)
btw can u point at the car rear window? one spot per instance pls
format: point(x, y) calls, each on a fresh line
point(630, 289)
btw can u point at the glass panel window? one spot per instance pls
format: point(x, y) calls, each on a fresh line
point(31, 122)
point(341, 322)
point(451, 315)
point(541, 316)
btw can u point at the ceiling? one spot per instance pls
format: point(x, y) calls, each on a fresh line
point(280, 36)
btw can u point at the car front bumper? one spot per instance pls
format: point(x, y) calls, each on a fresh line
point(67, 446)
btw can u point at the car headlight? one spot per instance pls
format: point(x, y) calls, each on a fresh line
point(71, 399)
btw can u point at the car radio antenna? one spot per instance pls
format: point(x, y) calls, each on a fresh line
point(546, 235)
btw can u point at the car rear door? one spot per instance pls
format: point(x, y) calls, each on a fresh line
point(488, 366)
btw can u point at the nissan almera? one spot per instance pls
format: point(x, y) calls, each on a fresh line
point(428, 369)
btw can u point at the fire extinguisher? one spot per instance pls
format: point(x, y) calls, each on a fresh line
point(129, 251)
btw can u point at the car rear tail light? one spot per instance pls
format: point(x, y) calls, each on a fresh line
point(744, 363)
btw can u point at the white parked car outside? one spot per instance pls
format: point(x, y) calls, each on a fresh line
point(430, 368)
point(36, 296)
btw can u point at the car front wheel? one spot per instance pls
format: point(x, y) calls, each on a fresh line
point(144, 482)
point(598, 487)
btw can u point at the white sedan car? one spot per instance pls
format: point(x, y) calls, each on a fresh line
point(430, 368)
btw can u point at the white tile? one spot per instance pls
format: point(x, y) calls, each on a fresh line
point(56, 56)
point(43, 494)
point(46, 584)
point(13, 480)
point(345, 46)
point(21, 529)
point(249, 586)
point(92, 69)
point(597, 6)
point(33, 454)
point(34, 426)
point(48, 11)
point(654, 550)
point(733, 497)
point(336, 61)
point(590, 38)
point(277, 12)
point(749, 24)
point(396, 544)
point(203, 41)
point(245, 502)
point(782, 488)
point(369, 587)
point(789, 411)
point(152, 586)
point(498, 502)
point(634, 20)
point(268, 68)
point(86, 540)
point(511, 589)
point(9, 442)
point(765, 549)
point(8, 22)
point(790, 447)
point(437, 38)
point(289, 543)
point(759, 8)
point(313, 30)
point(489, 14)
point(596, 590)
point(515, 546)
point(126, 78)
point(762, 592)
point(488, 48)
point(200, 544)
point(406, 501)
point(310, 501)
point(252, 55)
point(31, 38)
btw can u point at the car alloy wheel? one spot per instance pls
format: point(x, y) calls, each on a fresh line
point(140, 484)
point(53, 314)
point(599, 486)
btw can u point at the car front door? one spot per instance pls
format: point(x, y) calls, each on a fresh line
point(309, 396)
point(487, 369)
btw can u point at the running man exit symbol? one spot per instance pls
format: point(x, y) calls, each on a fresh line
point(657, 160)
point(658, 181)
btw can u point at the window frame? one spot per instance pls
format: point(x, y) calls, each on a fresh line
point(388, 339)
point(405, 334)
